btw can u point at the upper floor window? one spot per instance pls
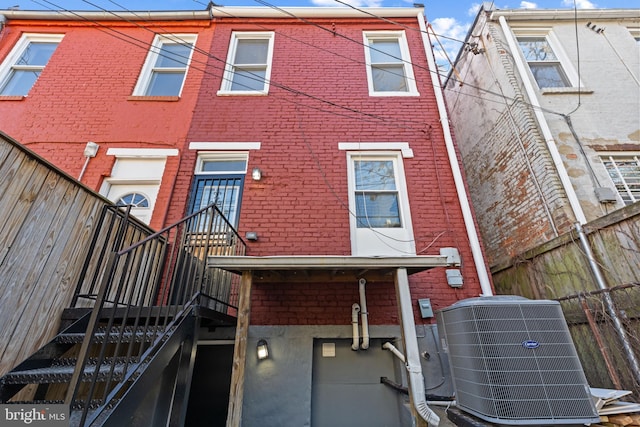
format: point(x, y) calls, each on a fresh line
point(165, 68)
point(248, 67)
point(548, 63)
point(625, 173)
point(26, 61)
point(389, 70)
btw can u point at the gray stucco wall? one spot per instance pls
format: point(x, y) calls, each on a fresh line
point(278, 390)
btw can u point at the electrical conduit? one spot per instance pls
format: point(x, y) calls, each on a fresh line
point(364, 314)
point(355, 309)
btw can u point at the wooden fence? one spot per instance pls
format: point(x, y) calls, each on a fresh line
point(47, 221)
point(560, 270)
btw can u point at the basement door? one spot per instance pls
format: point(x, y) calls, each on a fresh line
point(347, 391)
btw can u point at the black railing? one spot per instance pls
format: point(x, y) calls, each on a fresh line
point(144, 291)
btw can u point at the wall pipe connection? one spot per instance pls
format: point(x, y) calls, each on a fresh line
point(611, 308)
point(542, 122)
point(414, 368)
point(355, 309)
point(393, 349)
point(364, 314)
point(463, 198)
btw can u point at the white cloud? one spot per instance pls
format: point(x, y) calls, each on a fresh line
point(355, 3)
point(473, 9)
point(451, 35)
point(528, 5)
point(580, 4)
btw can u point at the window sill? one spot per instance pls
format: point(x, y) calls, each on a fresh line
point(565, 90)
point(154, 98)
point(240, 93)
point(389, 94)
point(12, 97)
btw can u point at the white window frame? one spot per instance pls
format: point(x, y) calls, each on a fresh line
point(612, 157)
point(562, 58)
point(212, 156)
point(10, 61)
point(229, 70)
point(394, 241)
point(400, 37)
point(149, 67)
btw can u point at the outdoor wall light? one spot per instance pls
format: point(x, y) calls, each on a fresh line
point(256, 174)
point(91, 149)
point(263, 350)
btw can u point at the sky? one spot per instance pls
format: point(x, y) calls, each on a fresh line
point(449, 18)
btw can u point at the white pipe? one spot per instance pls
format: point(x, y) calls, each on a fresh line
point(84, 168)
point(364, 314)
point(393, 349)
point(355, 309)
point(542, 122)
point(472, 233)
point(414, 369)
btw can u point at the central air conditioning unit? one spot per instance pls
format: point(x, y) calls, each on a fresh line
point(513, 362)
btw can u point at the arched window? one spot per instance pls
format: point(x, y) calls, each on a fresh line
point(134, 199)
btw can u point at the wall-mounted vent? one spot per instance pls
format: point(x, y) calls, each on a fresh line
point(513, 362)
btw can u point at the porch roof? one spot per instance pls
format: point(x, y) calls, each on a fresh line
point(323, 268)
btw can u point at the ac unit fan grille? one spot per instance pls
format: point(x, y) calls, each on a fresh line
point(515, 363)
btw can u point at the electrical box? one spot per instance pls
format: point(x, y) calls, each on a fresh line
point(606, 195)
point(454, 278)
point(426, 310)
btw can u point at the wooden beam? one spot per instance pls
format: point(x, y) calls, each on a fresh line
point(236, 395)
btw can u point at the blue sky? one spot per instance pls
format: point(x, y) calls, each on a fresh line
point(449, 18)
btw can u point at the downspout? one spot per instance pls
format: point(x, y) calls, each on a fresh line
point(355, 309)
point(364, 314)
point(393, 349)
point(544, 127)
point(414, 368)
point(472, 233)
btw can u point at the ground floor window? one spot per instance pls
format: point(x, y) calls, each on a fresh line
point(625, 173)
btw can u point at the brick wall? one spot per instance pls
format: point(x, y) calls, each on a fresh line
point(300, 205)
point(83, 95)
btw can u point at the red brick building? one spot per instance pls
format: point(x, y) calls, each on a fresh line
point(322, 136)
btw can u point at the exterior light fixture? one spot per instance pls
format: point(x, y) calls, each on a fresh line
point(262, 349)
point(256, 174)
point(91, 149)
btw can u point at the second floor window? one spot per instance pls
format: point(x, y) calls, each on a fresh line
point(248, 66)
point(389, 70)
point(24, 64)
point(543, 62)
point(625, 174)
point(166, 66)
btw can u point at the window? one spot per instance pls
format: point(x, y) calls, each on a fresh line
point(378, 203)
point(219, 180)
point(625, 173)
point(135, 199)
point(248, 67)
point(389, 70)
point(165, 68)
point(543, 62)
point(26, 61)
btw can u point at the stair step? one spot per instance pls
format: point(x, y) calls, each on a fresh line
point(129, 335)
point(62, 370)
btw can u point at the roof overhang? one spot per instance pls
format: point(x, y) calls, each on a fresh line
point(563, 14)
point(215, 12)
point(326, 268)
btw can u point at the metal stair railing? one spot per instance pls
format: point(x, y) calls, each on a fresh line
point(145, 290)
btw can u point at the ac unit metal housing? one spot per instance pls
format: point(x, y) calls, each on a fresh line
point(513, 362)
